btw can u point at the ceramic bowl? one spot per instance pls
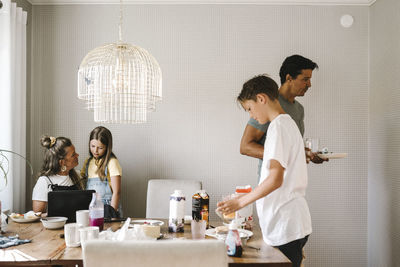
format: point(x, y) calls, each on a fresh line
point(54, 222)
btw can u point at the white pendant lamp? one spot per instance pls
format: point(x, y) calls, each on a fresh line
point(120, 82)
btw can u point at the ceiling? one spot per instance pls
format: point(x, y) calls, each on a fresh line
point(262, 2)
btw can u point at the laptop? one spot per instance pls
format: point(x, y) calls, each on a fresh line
point(66, 203)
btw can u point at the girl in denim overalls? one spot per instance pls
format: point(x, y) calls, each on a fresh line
point(102, 169)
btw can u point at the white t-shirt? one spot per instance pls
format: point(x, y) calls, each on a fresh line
point(283, 214)
point(42, 186)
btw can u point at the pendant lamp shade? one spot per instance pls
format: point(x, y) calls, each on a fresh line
point(120, 83)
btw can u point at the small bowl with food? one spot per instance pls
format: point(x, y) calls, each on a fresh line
point(53, 222)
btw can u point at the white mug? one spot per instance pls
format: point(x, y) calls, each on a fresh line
point(82, 218)
point(71, 235)
point(88, 233)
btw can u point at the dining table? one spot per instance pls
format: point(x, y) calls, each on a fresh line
point(47, 247)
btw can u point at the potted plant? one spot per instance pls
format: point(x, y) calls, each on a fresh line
point(4, 164)
point(4, 168)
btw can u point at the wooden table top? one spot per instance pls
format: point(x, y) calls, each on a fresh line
point(47, 247)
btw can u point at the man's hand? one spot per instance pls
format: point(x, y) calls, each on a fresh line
point(313, 156)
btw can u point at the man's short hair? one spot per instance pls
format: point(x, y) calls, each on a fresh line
point(293, 66)
point(260, 84)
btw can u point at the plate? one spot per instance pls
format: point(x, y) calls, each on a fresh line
point(23, 220)
point(242, 233)
point(151, 222)
point(332, 155)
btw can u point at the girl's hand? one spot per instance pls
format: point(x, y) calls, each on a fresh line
point(116, 191)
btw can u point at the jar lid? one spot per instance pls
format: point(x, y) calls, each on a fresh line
point(178, 192)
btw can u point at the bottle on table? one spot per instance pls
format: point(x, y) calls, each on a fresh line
point(96, 211)
point(176, 212)
point(246, 213)
point(200, 206)
point(233, 241)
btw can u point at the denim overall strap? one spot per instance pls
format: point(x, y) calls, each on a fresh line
point(103, 187)
point(100, 186)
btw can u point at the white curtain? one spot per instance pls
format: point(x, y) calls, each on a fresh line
point(13, 103)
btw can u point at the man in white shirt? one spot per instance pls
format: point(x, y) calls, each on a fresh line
point(283, 212)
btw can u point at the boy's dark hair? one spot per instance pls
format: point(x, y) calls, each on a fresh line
point(293, 66)
point(260, 84)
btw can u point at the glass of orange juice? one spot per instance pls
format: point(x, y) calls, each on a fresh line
point(228, 217)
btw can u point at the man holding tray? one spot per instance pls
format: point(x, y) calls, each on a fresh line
point(295, 75)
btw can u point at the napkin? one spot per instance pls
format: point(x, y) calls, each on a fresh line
point(188, 219)
point(125, 233)
point(122, 233)
point(8, 241)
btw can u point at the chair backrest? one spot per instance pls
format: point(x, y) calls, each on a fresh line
point(148, 253)
point(159, 190)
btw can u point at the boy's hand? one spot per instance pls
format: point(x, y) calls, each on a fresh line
point(229, 206)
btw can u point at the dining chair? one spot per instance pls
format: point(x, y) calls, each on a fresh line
point(149, 253)
point(159, 190)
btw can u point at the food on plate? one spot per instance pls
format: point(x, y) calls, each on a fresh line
point(222, 230)
point(32, 215)
point(29, 215)
point(16, 215)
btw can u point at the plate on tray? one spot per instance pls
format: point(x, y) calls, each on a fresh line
point(150, 222)
point(332, 155)
point(242, 233)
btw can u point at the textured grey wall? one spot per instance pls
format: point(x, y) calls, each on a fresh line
point(384, 125)
point(206, 52)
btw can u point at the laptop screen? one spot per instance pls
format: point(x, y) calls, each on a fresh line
point(66, 203)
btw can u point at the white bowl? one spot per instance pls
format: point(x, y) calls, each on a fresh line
point(53, 222)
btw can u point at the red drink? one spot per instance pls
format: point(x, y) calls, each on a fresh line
point(97, 222)
point(96, 212)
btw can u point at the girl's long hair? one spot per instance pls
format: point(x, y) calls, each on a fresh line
point(54, 152)
point(105, 137)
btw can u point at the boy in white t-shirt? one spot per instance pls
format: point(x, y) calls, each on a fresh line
point(283, 212)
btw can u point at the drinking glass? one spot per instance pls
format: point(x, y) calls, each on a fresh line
point(228, 217)
point(71, 235)
point(198, 229)
point(312, 144)
point(88, 233)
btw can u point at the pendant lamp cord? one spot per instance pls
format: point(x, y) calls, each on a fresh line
point(120, 21)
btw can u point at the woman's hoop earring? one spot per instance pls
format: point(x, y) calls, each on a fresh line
point(63, 168)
